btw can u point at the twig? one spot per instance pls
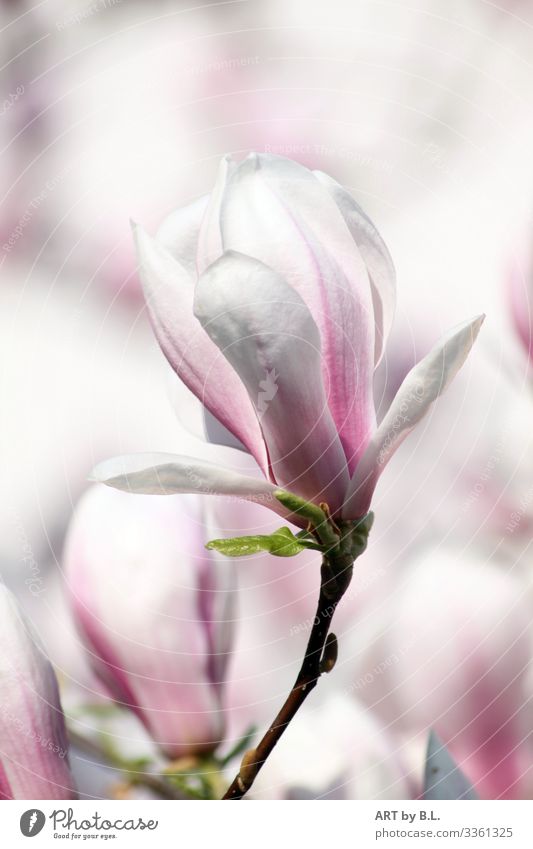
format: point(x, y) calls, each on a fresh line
point(154, 782)
point(320, 654)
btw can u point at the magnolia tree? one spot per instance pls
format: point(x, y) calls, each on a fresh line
point(272, 299)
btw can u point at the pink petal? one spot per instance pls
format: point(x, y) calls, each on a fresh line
point(520, 296)
point(169, 474)
point(136, 568)
point(423, 385)
point(267, 333)
point(5, 788)
point(210, 237)
point(169, 291)
point(33, 740)
point(276, 211)
point(458, 631)
point(375, 255)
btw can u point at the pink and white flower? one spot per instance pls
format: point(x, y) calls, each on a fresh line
point(520, 298)
point(278, 283)
point(33, 741)
point(155, 611)
point(452, 652)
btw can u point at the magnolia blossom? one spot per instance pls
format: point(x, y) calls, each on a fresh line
point(452, 653)
point(33, 741)
point(272, 300)
point(155, 610)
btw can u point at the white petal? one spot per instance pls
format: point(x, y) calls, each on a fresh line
point(169, 292)
point(169, 474)
point(265, 330)
point(415, 397)
point(375, 255)
point(210, 239)
point(275, 210)
point(157, 647)
point(180, 230)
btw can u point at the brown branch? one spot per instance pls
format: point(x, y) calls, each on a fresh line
point(320, 656)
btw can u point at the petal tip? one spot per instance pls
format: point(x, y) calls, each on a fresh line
point(97, 475)
point(475, 324)
point(141, 240)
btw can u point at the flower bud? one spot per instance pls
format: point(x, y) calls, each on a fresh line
point(452, 654)
point(154, 609)
point(33, 741)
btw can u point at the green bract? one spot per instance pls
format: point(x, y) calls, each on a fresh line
point(282, 543)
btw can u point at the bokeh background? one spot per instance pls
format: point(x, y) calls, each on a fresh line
point(111, 111)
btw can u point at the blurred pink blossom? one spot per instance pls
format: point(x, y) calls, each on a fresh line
point(33, 741)
point(451, 651)
point(156, 612)
point(520, 294)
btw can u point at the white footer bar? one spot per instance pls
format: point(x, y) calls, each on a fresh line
point(269, 825)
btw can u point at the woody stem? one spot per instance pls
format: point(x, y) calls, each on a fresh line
point(320, 654)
